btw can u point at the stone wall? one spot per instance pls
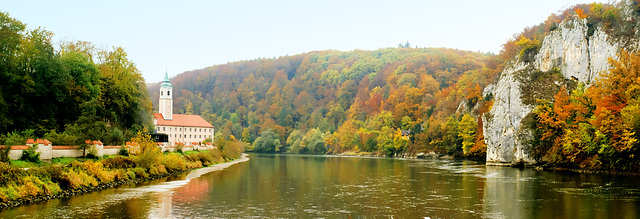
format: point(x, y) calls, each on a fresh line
point(48, 151)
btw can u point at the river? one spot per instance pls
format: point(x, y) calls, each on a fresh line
point(327, 186)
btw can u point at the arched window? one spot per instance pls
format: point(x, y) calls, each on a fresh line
point(168, 93)
point(161, 93)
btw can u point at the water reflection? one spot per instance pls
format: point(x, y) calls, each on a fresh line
point(320, 186)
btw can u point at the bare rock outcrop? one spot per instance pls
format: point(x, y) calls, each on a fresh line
point(570, 51)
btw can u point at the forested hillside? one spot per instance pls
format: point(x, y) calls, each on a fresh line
point(332, 102)
point(68, 95)
point(361, 101)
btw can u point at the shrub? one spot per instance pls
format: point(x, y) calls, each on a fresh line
point(140, 172)
point(153, 171)
point(173, 162)
point(9, 192)
point(131, 174)
point(121, 175)
point(217, 155)
point(162, 169)
point(4, 153)
point(8, 174)
point(77, 179)
point(30, 154)
point(148, 159)
point(193, 165)
point(123, 151)
point(180, 148)
point(64, 138)
point(95, 170)
point(92, 152)
point(119, 162)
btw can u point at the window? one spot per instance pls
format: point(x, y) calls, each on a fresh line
point(161, 93)
point(189, 136)
point(200, 136)
point(175, 135)
point(190, 129)
point(164, 128)
point(168, 93)
point(180, 129)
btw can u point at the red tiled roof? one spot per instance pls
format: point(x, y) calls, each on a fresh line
point(40, 141)
point(64, 147)
point(19, 147)
point(182, 120)
point(111, 147)
point(30, 141)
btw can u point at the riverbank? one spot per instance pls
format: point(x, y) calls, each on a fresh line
point(430, 155)
point(27, 186)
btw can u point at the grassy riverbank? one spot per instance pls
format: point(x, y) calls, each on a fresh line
point(71, 176)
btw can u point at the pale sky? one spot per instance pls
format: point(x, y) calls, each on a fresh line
point(187, 35)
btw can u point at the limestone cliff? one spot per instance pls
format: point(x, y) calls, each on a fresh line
point(567, 55)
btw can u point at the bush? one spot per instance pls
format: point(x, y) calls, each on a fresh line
point(162, 169)
point(95, 170)
point(92, 152)
point(123, 151)
point(180, 148)
point(148, 159)
point(75, 179)
point(173, 162)
point(30, 154)
point(4, 153)
point(61, 138)
point(140, 172)
point(153, 171)
point(8, 174)
point(119, 162)
point(120, 175)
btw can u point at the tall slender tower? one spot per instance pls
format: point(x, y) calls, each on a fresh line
point(165, 105)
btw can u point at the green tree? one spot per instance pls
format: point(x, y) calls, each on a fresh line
point(314, 141)
point(268, 142)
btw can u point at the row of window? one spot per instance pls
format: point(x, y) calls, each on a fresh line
point(168, 93)
point(200, 136)
point(190, 129)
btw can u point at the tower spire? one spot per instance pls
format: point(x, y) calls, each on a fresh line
point(166, 76)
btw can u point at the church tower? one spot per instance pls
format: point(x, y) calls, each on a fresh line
point(165, 105)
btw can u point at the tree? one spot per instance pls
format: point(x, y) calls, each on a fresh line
point(314, 141)
point(467, 132)
point(294, 142)
point(268, 142)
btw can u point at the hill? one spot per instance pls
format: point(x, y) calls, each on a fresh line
point(358, 100)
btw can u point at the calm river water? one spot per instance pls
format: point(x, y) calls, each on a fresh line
point(322, 186)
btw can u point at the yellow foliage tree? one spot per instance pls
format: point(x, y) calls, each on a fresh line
point(467, 132)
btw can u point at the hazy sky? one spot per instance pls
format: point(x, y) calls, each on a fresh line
point(187, 35)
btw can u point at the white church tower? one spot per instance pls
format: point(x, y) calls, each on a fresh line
point(165, 105)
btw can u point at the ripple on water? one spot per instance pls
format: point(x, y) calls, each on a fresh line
point(606, 192)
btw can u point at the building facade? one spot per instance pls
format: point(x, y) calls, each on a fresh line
point(180, 128)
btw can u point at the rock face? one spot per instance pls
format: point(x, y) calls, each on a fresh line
point(568, 49)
